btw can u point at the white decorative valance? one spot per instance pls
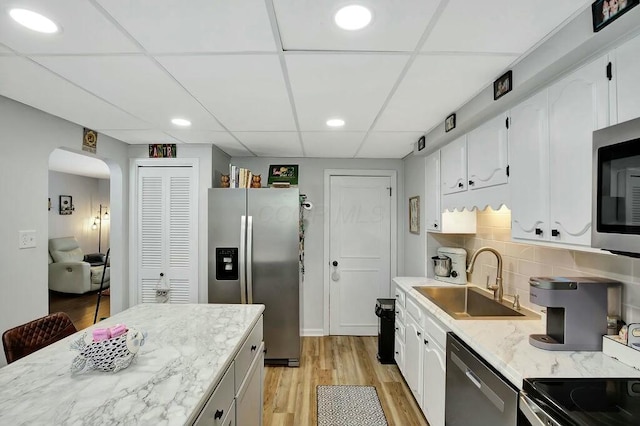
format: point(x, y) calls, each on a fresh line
point(493, 196)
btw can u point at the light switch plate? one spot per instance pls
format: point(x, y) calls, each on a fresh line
point(27, 239)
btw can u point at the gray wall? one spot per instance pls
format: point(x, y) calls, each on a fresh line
point(415, 245)
point(87, 196)
point(220, 164)
point(27, 138)
point(311, 183)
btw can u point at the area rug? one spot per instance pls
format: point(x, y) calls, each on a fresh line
point(349, 405)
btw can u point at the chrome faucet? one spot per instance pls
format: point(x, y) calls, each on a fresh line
point(498, 292)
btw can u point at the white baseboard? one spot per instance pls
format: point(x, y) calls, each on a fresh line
point(312, 332)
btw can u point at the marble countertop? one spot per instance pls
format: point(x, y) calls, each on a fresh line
point(505, 344)
point(186, 352)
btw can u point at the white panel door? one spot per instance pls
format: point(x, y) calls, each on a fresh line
point(626, 70)
point(167, 239)
point(529, 168)
point(578, 105)
point(432, 192)
point(360, 252)
point(453, 166)
point(487, 153)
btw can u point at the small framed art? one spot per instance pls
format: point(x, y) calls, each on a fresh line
point(605, 12)
point(421, 143)
point(414, 214)
point(502, 85)
point(450, 123)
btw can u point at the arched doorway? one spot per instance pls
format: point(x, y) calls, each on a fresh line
point(79, 226)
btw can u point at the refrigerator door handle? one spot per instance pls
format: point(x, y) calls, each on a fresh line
point(241, 260)
point(250, 259)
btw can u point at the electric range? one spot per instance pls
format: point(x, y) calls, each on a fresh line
point(580, 402)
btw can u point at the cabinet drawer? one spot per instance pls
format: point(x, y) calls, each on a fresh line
point(400, 314)
point(400, 296)
point(400, 331)
point(247, 353)
point(249, 397)
point(436, 330)
point(218, 406)
point(414, 309)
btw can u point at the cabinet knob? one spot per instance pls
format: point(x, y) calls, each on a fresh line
point(460, 185)
point(253, 348)
point(471, 183)
point(161, 274)
point(538, 231)
point(397, 328)
point(397, 353)
point(435, 225)
point(426, 342)
point(555, 233)
point(418, 333)
point(218, 414)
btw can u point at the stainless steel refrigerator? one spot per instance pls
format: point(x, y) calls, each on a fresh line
point(253, 258)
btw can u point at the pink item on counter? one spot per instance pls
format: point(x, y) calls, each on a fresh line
point(100, 334)
point(117, 330)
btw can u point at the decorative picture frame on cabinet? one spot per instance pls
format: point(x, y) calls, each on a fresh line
point(414, 214)
point(502, 85)
point(604, 12)
point(450, 123)
point(421, 143)
point(65, 206)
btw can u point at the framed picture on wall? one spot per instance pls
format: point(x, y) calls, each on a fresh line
point(503, 85)
point(604, 12)
point(414, 214)
point(66, 204)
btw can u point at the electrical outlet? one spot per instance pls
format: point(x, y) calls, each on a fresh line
point(27, 239)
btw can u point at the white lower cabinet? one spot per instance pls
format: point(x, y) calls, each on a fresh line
point(400, 296)
point(433, 381)
point(413, 357)
point(237, 399)
point(424, 361)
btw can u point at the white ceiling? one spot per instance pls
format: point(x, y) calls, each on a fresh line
point(261, 77)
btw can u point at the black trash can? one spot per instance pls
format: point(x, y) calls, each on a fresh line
point(386, 313)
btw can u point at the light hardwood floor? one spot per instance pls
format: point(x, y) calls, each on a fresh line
point(290, 393)
point(80, 307)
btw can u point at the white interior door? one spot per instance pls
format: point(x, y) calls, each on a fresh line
point(167, 237)
point(360, 249)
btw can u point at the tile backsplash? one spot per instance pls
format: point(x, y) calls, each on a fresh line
point(522, 260)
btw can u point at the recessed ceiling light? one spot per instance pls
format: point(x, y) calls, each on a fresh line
point(34, 21)
point(181, 122)
point(353, 17)
point(335, 122)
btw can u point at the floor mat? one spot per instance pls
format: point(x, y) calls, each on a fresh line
point(349, 405)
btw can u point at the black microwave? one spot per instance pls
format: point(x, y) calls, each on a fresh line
point(616, 189)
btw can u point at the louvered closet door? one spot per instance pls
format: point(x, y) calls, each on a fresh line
point(167, 241)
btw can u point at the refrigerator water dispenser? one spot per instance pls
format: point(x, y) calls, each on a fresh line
point(226, 263)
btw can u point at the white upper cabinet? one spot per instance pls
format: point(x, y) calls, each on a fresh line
point(529, 168)
point(626, 69)
point(453, 166)
point(432, 192)
point(578, 105)
point(487, 153)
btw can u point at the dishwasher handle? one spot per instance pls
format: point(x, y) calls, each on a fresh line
point(486, 391)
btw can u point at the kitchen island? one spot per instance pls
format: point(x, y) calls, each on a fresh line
point(190, 351)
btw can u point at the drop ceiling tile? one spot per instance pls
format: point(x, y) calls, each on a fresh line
point(395, 26)
point(435, 86)
point(334, 85)
point(388, 144)
point(144, 89)
point(33, 85)
point(336, 144)
point(195, 25)
point(84, 29)
point(498, 25)
point(245, 92)
point(140, 136)
point(223, 140)
point(271, 144)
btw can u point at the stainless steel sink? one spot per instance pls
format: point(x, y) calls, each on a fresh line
point(471, 303)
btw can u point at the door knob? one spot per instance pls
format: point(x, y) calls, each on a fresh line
point(334, 263)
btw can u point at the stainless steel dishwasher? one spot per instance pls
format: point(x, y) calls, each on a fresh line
point(476, 394)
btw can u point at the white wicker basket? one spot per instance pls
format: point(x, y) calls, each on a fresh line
point(111, 355)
